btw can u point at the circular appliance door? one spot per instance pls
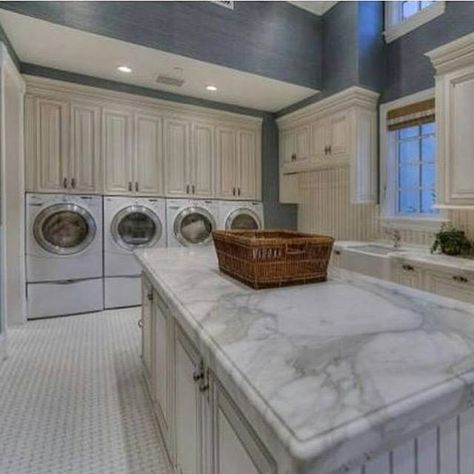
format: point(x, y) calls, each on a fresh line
point(194, 226)
point(64, 229)
point(243, 219)
point(136, 227)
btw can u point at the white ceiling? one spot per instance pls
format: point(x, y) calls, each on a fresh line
point(318, 7)
point(48, 44)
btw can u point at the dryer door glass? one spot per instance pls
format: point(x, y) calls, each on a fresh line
point(136, 226)
point(244, 222)
point(64, 229)
point(194, 227)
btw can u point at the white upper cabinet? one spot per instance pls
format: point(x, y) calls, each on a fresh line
point(177, 161)
point(48, 145)
point(63, 146)
point(84, 165)
point(117, 150)
point(454, 64)
point(338, 131)
point(78, 141)
point(148, 162)
point(227, 153)
point(239, 164)
point(203, 160)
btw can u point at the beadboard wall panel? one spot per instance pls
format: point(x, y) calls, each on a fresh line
point(325, 207)
point(444, 449)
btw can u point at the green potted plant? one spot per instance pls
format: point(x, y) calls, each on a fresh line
point(452, 241)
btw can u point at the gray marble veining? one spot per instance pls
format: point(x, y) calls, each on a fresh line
point(339, 370)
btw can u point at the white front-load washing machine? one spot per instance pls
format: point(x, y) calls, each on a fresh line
point(129, 224)
point(64, 264)
point(190, 221)
point(240, 215)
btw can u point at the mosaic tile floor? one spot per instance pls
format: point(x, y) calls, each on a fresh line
point(73, 400)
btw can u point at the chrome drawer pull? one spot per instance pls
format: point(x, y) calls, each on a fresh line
point(407, 267)
point(140, 323)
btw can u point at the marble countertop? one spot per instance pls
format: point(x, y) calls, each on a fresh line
point(339, 370)
point(420, 256)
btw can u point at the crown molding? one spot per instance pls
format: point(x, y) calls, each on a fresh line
point(453, 55)
point(352, 96)
point(44, 86)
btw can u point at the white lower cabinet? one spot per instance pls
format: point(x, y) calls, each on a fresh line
point(452, 285)
point(205, 432)
point(408, 275)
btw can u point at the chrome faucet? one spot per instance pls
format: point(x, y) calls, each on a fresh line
point(395, 236)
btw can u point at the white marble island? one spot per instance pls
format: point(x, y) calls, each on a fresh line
point(330, 376)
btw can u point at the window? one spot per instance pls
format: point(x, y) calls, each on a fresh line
point(416, 186)
point(410, 7)
point(405, 16)
point(408, 163)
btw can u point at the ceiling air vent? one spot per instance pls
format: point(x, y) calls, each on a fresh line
point(176, 79)
point(224, 3)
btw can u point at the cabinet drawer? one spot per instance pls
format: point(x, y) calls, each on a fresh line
point(407, 274)
point(451, 285)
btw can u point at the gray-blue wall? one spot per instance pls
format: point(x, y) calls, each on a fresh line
point(408, 69)
point(353, 50)
point(272, 39)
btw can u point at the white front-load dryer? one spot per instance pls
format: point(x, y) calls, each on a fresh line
point(190, 222)
point(64, 263)
point(240, 215)
point(130, 224)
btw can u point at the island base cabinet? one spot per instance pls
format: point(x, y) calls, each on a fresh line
point(145, 325)
point(236, 447)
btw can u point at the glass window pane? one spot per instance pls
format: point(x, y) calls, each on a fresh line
point(409, 152)
point(428, 149)
point(409, 132)
point(409, 8)
point(428, 128)
point(428, 199)
point(425, 4)
point(409, 177)
point(428, 176)
point(409, 202)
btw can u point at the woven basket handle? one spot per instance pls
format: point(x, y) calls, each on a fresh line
point(293, 251)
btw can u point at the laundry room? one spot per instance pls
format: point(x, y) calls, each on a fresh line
point(236, 237)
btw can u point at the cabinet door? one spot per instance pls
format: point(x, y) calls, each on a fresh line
point(237, 449)
point(227, 155)
point(408, 275)
point(320, 138)
point(148, 155)
point(302, 139)
point(188, 408)
point(117, 150)
point(147, 295)
point(458, 152)
point(84, 167)
point(451, 285)
point(177, 159)
point(161, 365)
point(203, 160)
point(339, 134)
point(52, 145)
point(287, 147)
point(247, 172)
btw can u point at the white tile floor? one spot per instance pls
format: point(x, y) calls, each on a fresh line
point(72, 399)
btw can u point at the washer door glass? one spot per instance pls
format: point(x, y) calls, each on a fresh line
point(135, 227)
point(241, 219)
point(64, 229)
point(194, 226)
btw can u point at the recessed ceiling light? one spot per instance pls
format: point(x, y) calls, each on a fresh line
point(211, 88)
point(124, 69)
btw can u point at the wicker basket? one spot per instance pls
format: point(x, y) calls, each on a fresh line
point(271, 258)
